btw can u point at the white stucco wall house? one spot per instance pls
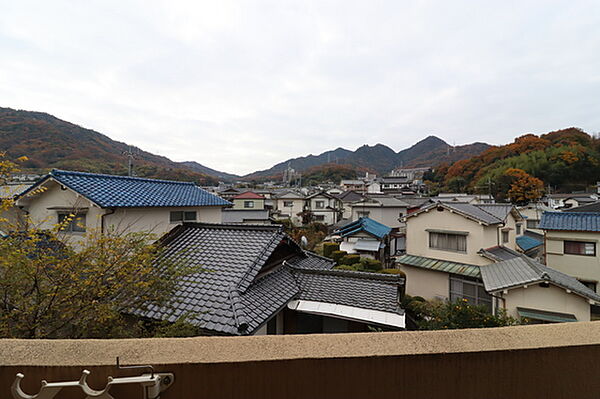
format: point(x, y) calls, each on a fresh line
point(102, 202)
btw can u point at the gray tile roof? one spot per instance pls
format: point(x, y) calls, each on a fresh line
point(576, 221)
point(230, 258)
point(593, 207)
point(499, 253)
point(233, 294)
point(343, 287)
point(474, 211)
point(520, 271)
point(500, 211)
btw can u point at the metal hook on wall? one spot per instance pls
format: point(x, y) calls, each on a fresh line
point(153, 385)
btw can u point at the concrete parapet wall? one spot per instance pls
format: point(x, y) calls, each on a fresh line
point(550, 361)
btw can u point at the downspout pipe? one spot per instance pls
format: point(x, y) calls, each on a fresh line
point(102, 223)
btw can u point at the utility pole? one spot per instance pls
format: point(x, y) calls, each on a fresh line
point(130, 157)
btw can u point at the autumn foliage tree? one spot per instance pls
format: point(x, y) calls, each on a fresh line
point(524, 187)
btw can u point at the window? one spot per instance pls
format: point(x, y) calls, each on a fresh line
point(288, 204)
point(248, 204)
point(319, 218)
point(319, 204)
point(448, 241)
point(532, 223)
point(505, 237)
point(182, 216)
point(472, 291)
point(362, 214)
point(580, 248)
point(75, 225)
point(518, 229)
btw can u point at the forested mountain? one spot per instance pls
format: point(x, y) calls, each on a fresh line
point(379, 158)
point(566, 160)
point(49, 143)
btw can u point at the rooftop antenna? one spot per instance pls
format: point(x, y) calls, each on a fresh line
point(130, 157)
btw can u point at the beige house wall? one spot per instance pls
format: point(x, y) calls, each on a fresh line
point(286, 212)
point(552, 299)
point(479, 236)
point(586, 268)
point(259, 204)
point(44, 215)
point(388, 216)
point(426, 283)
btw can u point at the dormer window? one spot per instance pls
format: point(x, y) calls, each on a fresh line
point(248, 204)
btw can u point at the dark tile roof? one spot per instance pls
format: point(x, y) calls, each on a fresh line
point(479, 213)
point(593, 207)
point(500, 211)
point(366, 225)
point(230, 257)
point(110, 191)
point(523, 270)
point(350, 196)
point(576, 221)
point(343, 287)
point(232, 294)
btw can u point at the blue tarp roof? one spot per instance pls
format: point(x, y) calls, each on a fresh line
point(526, 243)
point(367, 225)
point(110, 191)
point(571, 221)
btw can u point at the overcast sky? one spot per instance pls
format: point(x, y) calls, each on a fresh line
point(239, 86)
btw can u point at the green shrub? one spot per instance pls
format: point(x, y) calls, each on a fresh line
point(393, 271)
point(371, 264)
point(329, 247)
point(337, 255)
point(350, 259)
point(344, 267)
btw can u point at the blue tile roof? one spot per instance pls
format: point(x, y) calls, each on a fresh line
point(110, 191)
point(570, 221)
point(526, 243)
point(367, 225)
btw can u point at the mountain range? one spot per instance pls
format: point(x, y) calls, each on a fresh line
point(50, 142)
point(431, 151)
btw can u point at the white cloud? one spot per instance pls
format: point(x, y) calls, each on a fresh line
point(239, 86)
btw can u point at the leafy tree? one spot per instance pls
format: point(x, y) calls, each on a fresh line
point(50, 290)
point(524, 188)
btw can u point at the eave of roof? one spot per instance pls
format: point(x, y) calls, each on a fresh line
point(439, 265)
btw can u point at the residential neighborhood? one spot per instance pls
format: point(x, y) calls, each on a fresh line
point(277, 199)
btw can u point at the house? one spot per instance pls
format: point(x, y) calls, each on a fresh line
point(325, 208)
point(348, 198)
point(533, 214)
point(366, 237)
point(571, 244)
point(228, 193)
point(527, 289)
point(103, 202)
point(457, 232)
point(290, 205)
point(532, 245)
point(522, 287)
point(248, 200)
point(353, 185)
point(390, 184)
point(572, 200)
point(256, 280)
point(473, 199)
point(384, 209)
